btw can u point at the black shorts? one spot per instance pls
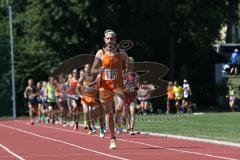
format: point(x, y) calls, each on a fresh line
point(63, 104)
point(33, 101)
point(39, 100)
point(234, 65)
point(171, 102)
point(53, 104)
point(179, 101)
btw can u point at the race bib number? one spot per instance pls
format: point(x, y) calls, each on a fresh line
point(130, 88)
point(110, 74)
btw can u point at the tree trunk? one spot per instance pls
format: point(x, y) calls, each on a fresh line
point(232, 9)
point(172, 57)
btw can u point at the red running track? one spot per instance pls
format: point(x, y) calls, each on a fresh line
point(18, 140)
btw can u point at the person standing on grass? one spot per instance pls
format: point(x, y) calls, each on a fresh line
point(231, 98)
point(235, 62)
point(110, 62)
point(30, 94)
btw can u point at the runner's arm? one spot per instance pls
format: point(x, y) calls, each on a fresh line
point(25, 93)
point(96, 64)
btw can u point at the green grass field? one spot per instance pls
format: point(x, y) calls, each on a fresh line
point(218, 126)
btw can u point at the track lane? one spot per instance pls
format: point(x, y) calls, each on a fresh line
point(139, 146)
point(31, 145)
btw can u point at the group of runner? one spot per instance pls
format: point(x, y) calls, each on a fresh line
point(179, 97)
point(105, 90)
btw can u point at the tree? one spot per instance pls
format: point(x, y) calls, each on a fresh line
point(49, 32)
point(232, 21)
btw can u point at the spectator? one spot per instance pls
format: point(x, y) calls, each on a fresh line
point(231, 97)
point(235, 62)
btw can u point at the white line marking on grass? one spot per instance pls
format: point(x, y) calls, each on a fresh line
point(63, 142)
point(146, 144)
point(12, 153)
point(225, 143)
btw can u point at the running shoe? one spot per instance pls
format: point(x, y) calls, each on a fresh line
point(90, 132)
point(119, 130)
point(71, 124)
point(85, 125)
point(113, 144)
point(52, 121)
point(94, 130)
point(105, 129)
point(131, 133)
point(57, 122)
point(64, 124)
point(46, 120)
point(42, 118)
point(76, 126)
point(37, 121)
point(101, 133)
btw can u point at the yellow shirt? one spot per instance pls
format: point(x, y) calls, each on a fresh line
point(178, 91)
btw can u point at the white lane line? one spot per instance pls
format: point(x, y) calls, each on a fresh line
point(183, 151)
point(63, 142)
point(12, 153)
point(146, 144)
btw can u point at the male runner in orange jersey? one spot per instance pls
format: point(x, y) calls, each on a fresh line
point(91, 107)
point(110, 62)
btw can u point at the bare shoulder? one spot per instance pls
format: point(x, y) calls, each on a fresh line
point(27, 89)
point(99, 54)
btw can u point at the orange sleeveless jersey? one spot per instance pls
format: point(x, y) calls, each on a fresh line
point(170, 93)
point(72, 86)
point(112, 77)
point(89, 94)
